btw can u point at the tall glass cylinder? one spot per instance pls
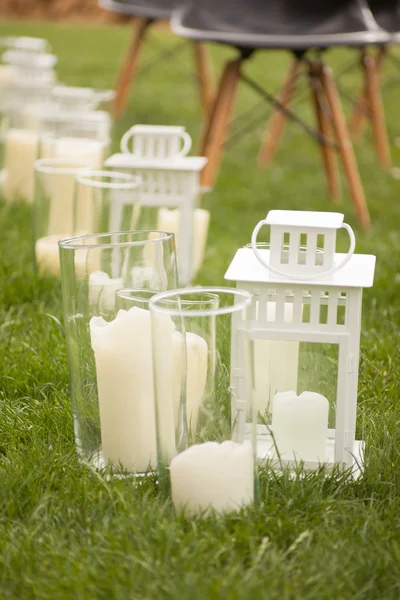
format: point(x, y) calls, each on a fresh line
point(201, 459)
point(104, 342)
point(106, 201)
point(53, 210)
point(133, 411)
point(82, 135)
point(71, 200)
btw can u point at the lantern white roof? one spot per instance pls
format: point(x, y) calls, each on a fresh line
point(305, 219)
point(182, 163)
point(357, 273)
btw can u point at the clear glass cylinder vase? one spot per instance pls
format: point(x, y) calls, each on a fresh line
point(101, 338)
point(202, 460)
point(81, 135)
point(53, 210)
point(71, 200)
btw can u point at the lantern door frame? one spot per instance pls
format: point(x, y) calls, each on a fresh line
point(347, 450)
point(169, 183)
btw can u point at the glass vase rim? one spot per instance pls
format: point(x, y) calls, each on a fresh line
point(246, 298)
point(54, 137)
point(129, 182)
point(211, 298)
point(58, 165)
point(77, 242)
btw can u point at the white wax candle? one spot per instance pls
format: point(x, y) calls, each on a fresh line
point(7, 75)
point(3, 179)
point(276, 364)
point(300, 425)
point(47, 255)
point(21, 150)
point(196, 377)
point(123, 356)
point(60, 191)
point(124, 368)
point(90, 151)
point(102, 290)
point(48, 258)
point(169, 221)
point(211, 475)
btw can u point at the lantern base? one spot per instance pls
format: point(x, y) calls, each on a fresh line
point(355, 459)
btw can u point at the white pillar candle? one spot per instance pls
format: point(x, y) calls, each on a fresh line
point(60, 191)
point(276, 364)
point(211, 475)
point(47, 255)
point(3, 179)
point(7, 75)
point(169, 221)
point(300, 425)
point(48, 258)
point(196, 377)
point(21, 150)
point(124, 368)
point(102, 290)
point(123, 357)
point(90, 151)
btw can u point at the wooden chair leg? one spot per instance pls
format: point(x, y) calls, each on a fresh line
point(204, 75)
point(129, 67)
point(277, 122)
point(217, 123)
point(376, 108)
point(345, 147)
point(324, 126)
point(359, 116)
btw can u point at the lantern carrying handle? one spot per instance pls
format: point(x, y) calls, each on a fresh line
point(297, 276)
point(185, 137)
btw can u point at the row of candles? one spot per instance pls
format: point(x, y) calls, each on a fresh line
point(150, 378)
point(124, 370)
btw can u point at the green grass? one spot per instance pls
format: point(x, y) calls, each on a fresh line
point(67, 532)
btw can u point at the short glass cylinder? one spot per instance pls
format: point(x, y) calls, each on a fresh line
point(126, 392)
point(201, 459)
point(101, 339)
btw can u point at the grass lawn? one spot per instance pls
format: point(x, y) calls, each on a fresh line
point(66, 532)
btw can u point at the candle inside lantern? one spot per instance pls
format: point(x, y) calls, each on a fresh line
point(21, 150)
point(276, 364)
point(169, 221)
point(300, 425)
point(102, 290)
point(212, 475)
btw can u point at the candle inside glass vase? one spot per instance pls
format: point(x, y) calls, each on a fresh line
point(109, 351)
point(208, 469)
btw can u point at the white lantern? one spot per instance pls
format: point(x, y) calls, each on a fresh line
point(171, 185)
point(305, 330)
